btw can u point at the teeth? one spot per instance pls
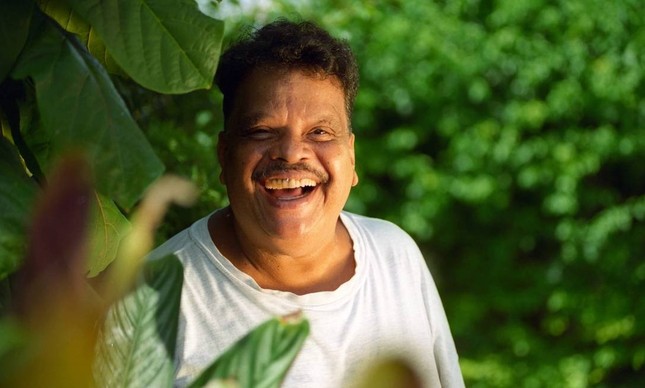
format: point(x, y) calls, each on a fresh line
point(277, 184)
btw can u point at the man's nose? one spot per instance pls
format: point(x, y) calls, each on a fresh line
point(290, 148)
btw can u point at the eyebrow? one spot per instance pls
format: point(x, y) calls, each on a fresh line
point(252, 119)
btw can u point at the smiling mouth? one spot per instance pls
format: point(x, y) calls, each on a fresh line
point(288, 188)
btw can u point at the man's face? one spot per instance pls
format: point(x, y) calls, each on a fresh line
point(288, 156)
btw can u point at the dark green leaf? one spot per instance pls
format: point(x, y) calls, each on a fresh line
point(137, 345)
point(15, 17)
point(81, 108)
point(262, 357)
point(17, 192)
point(165, 45)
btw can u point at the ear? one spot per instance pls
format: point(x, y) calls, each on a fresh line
point(353, 159)
point(222, 149)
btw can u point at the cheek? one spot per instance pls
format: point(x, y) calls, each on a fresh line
point(241, 167)
point(342, 167)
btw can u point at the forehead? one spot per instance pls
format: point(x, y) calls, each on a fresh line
point(274, 94)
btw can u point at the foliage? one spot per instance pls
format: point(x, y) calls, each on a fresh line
point(135, 350)
point(56, 98)
point(262, 357)
point(71, 150)
point(506, 138)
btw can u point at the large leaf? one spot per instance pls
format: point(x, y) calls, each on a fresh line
point(165, 45)
point(63, 14)
point(108, 226)
point(17, 193)
point(15, 17)
point(80, 106)
point(137, 346)
point(262, 357)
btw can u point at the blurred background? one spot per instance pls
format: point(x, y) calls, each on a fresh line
point(508, 138)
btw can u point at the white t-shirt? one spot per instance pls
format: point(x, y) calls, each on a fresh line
point(390, 307)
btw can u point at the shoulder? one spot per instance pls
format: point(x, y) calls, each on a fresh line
point(384, 244)
point(179, 243)
point(378, 231)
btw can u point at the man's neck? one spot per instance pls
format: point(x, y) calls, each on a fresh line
point(303, 265)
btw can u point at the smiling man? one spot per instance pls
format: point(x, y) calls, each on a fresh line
point(285, 244)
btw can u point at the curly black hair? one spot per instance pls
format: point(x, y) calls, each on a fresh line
point(287, 45)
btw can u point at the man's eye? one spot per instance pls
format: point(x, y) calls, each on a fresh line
point(320, 134)
point(258, 134)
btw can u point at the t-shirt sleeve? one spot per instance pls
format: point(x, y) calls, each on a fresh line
point(445, 353)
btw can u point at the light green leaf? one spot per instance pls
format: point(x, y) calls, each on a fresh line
point(262, 357)
point(17, 193)
point(107, 227)
point(168, 46)
point(15, 17)
point(81, 108)
point(63, 14)
point(137, 345)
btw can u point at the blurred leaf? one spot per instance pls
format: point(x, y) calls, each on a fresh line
point(165, 45)
point(15, 17)
point(137, 344)
point(80, 106)
point(53, 302)
point(17, 192)
point(57, 235)
point(261, 358)
point(108, 226)
point(140, 239)
point(390, 373)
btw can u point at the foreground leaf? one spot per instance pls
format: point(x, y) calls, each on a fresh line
point(80, 106)
point(262, 357)
point(165, 45)
point(390, 373)
point(52, 301)
point(55, 256)
point(137, 345)
point(17, 193)
point(140, 238)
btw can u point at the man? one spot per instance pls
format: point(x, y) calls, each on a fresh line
point(284, 244)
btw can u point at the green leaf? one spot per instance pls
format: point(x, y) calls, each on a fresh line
point(63, 14)
point(137, 345)
point(168, 46)
point(107, 227)
point(15, 17)
point(17, 193)
point(262, 357)
point(80, 106)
